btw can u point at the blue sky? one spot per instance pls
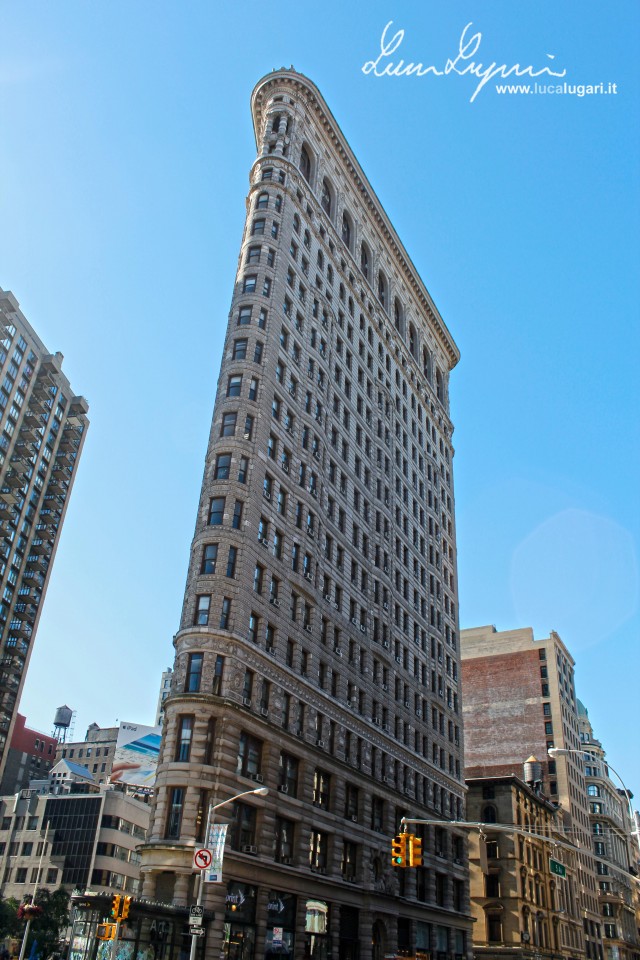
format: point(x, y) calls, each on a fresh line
point(126, 146)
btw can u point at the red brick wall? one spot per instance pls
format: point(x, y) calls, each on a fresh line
point(503, 719)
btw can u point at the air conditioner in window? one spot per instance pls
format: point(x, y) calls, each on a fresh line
point(384, 779)
point(257, 777)
point(350, 879)
point(385, 686)
point(385, 644)
point(286, 860)
point(264, 541)
point(363, 629)
point(249, 848)
point(285, 467)
point(377, 721)
point(354, 817)
point(246, 701)
point(316, 454)
point(319, 743)
point(336, 605)
point(310, 533)
point(274, 601)
point(264, 711)
point(386, 569)
point(354, 621)
point(327, 597)
point(283, 788)
point(308, 576)
point(385, 726)
point(289, 428)
point(406, 703)
point(313, 492)
point(337, 651)
point(308, 628)
point(266, 495)
point(385, 606)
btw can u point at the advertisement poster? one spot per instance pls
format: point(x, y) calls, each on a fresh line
point(217, 838)
point(136, 757)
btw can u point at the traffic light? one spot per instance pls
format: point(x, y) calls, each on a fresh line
point(399, 850)
point(126, 903)
point(415, 851)
point(115, 906)
point(106, 931)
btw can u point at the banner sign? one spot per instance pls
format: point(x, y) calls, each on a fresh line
point(136, 755)
point(216, 841)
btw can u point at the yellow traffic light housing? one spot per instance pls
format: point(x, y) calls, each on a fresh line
point(126, 903)
point(106, 931)
point(399, 850)
point(415, 851)
point(115, 906)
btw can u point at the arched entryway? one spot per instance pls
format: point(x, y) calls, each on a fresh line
point(378, 940)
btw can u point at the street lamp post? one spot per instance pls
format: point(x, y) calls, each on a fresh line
point(565, 751)
point(260, 792)
point(35, 890)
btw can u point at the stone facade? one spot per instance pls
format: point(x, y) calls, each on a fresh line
point(318, 647)
point(42, 431)
point(521, 908)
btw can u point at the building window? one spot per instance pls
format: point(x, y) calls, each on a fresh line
point(216, 511)
point(223, 466)
point(348, 865)
point(237, 515)
point(217, 676)
point(209, 558)
point(243, 831)
point(321, 783)
point(249, 756)
point(243, 469)
point(194, 673)
point(318, 846)
point(257, 228)
point(283, 840)
point(21, 875)
point(231, 562)
point(203, 604)
point(225, 613)
point(240, 349)
point(244, 313)
point(185, 735)
point(263, 201)
point(288, 775)
point(234, 385)
point(228, 427)
point(305, 164)
point(494, 928)
point(174, 818)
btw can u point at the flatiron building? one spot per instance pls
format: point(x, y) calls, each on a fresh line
point(318, 650)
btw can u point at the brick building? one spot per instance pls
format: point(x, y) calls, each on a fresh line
point(30, 756)
point(519, 699)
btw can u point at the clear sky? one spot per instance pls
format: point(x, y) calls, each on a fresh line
point(126, 146)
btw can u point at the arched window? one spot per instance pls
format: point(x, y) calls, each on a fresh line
point(262, 202)
point(426, 369)
point(439, 386)
point(593, 790)
point(346, 229)
point(382, 290)
point(489, 814)
point(364, 260)
point(296, 223)
point(305, 164)
point(397, 314)
point(320, 260)
point(276, 123)
point(413, 342)
point(326, 199)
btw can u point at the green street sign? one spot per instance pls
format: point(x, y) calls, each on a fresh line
point(558, 868)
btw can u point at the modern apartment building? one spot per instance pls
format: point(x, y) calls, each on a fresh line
point(42, 430)
point(73, 835)
point(519, 700)
point(615, 847)
point(318, 648)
